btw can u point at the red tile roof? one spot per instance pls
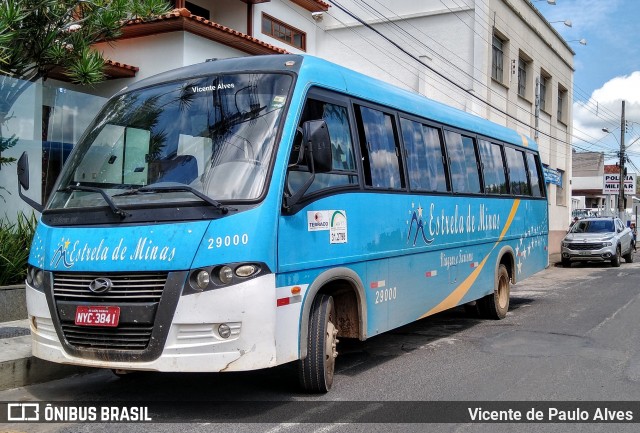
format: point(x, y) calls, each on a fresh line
point(183, 20)
point(119, 70)
point(111, 71)
point(312, 5)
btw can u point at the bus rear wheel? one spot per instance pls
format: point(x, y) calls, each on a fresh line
point(316, 370)
point(496, 305)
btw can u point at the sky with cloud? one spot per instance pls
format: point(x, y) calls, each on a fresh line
point(607, 70)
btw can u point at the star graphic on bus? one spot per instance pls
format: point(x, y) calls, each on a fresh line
point(417, 218)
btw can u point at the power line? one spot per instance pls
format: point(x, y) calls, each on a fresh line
point(448, 81)
point(385, 18)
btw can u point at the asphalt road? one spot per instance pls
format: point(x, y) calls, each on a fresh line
point(570, 335)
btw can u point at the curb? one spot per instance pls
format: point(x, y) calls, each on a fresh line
point(18, 367)
point(31, 370)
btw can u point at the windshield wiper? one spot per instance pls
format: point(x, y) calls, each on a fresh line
point(171, 187)
point(115, 209)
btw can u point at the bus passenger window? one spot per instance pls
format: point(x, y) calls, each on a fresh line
point(424, 157)
point(343, 171)
point(380, 150)
point(463, 163)
point(536, 185)
point(517, 172)
point(492, 167)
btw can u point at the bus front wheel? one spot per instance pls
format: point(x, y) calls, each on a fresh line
point(496, 305)
point(316, 370)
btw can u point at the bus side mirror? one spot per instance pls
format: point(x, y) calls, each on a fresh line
point(316, 149)
point(23, 181)
point(23, 171)
point(315, 133)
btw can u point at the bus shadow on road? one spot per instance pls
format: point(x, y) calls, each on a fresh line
point(357, 356)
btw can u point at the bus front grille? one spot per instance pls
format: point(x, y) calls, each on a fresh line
point(136, 294)
point(121, 338)
point(131, 288)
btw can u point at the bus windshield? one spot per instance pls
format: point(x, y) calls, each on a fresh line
point(214, 135)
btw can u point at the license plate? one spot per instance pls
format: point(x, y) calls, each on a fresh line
point(107, 316)
point(584, 253)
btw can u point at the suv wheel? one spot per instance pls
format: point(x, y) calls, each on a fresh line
point(615, 261)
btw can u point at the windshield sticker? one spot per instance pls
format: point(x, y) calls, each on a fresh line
point(69, 253)
point(278, 102)
point(318, 220)
point(334, 221)
point(338, 227)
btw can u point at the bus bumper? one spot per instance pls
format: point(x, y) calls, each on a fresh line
point(194, 343)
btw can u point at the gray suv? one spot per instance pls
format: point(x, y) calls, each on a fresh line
point(597, 239)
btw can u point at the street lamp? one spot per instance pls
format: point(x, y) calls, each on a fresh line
point(551, 2)
point(581, 41)
point(567, 23)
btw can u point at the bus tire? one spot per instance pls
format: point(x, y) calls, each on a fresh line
point(496, 305)
point(316, 370)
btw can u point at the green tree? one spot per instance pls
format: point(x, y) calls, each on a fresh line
point(40, 36)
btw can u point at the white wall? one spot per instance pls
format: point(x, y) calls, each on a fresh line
point(444, 42)
point(160, 53)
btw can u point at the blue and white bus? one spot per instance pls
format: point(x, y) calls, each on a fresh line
point(244, 213)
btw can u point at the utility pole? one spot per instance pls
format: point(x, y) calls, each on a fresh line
point(621, 208)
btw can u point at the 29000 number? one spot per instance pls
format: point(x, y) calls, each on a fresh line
point(386, 295)
point(227, 241)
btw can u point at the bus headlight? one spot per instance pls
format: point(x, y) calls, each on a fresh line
point(225, 274)
point(202, 279)
point(35, 278)
point(244, 271)
point(219, 276)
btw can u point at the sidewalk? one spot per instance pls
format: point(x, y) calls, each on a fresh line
point(555, 259)
point(18, 367)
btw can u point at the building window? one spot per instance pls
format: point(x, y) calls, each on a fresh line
point(284, 32)
point(562, 103)
point(522, 77)
point(560, 192)
point(545, 80)
point(497, 60)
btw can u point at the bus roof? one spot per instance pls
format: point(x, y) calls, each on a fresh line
point(315, 71)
